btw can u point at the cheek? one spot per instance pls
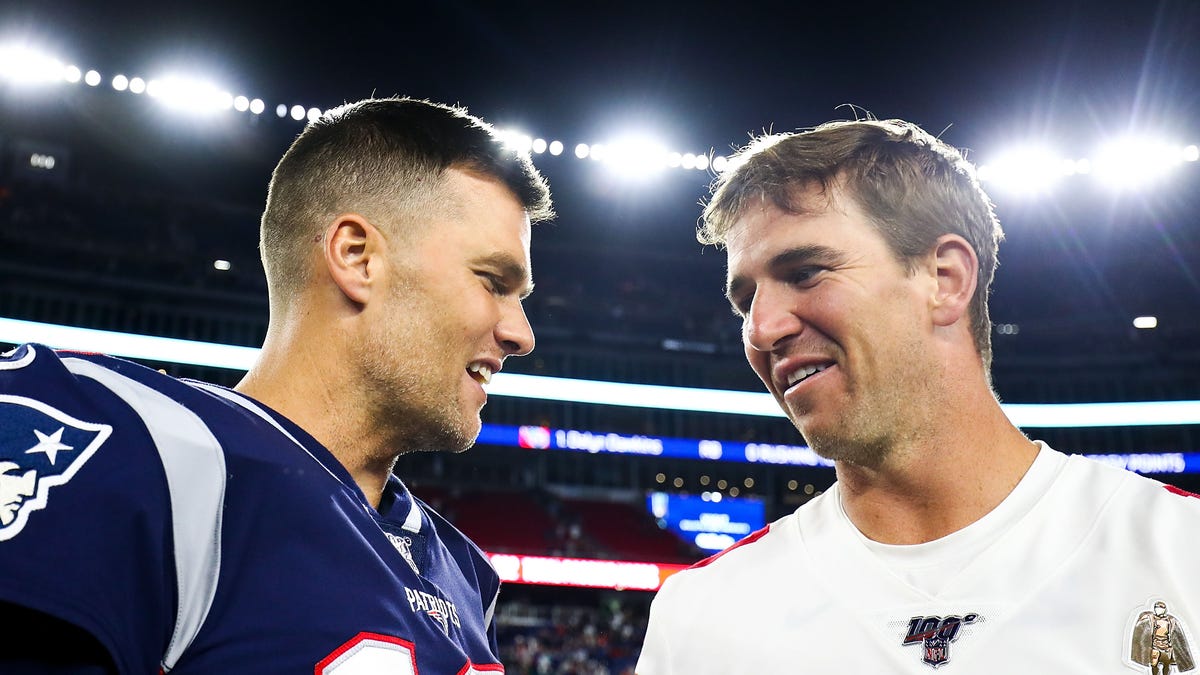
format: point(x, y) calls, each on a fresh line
point(760, 363)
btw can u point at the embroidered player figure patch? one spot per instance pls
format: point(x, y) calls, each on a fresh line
point(935, 634)
point(1158, 640)
point(41, 447)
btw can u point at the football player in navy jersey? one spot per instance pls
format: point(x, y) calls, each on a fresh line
point(152, 524)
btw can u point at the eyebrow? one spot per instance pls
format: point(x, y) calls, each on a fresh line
point(511, 270)
point(787, 258)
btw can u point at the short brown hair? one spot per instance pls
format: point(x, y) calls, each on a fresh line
point(912, 186)
point(375, 157)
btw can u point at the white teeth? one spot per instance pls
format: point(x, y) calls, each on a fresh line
point(803, 373)
point(483, 371)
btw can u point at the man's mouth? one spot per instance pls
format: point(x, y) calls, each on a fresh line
point(480, 372)
point(801, 374)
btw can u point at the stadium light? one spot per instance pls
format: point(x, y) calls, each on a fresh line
point(1128, 162)
point(22, 64)
point(314, 114)
point(189, 94)
point(520, 143)
point(1145, 322)
point(1026, 170)
point(634, 156)
point(1134, 162)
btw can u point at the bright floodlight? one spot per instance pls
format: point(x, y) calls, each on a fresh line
point(1026, 170)
point(241, 103)
point(314, 114)
point(1145, 322)
point(1133, 162)
point(221, 265)
point(137, 85)
point(26, 65)
point(539, 145)
point(120, 82)
point(674, 160)
point(582, 150)
point(556, 148)
point(688, 161)
point(281, 110)
point(189, 95)
point(635, 156)
point(92, 78)
point(72, 74)
point(701, 162)
point(599, 151)
point(297, 112)
point(719, 163)
point(1191, 153)
point(257, 106)
point(518, 142)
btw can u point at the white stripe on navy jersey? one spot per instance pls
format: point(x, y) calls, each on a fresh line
point(194, 464)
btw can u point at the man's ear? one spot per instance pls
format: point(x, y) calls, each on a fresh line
point(353, 250)
point(957, 270)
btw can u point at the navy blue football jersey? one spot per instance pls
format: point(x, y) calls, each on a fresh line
point(192, 530)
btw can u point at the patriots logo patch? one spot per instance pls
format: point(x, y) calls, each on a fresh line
point(41, 448)
point(441, 619)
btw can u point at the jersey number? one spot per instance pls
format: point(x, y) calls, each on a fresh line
point(368, 653)
point(372, 653)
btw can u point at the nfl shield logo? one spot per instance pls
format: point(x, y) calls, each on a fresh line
point(936, 651)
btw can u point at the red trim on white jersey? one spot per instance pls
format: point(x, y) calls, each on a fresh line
point(750, 539)
point(1181, 492)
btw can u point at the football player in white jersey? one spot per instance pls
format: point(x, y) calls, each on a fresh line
point(860, 256)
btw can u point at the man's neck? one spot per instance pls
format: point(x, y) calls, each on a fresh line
point(305, 389)
point(940, 482)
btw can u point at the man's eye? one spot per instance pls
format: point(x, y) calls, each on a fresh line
point(494, 284)
point(804, 275)
point(741, 307)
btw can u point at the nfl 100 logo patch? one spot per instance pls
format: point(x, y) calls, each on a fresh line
point(935, 634)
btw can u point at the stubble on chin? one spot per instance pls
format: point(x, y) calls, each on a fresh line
point(440, 436)
point(849, 450)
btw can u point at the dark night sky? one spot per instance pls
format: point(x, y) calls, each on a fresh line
point(702, 73)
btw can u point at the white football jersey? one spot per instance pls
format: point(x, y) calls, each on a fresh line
point(1062, 577)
